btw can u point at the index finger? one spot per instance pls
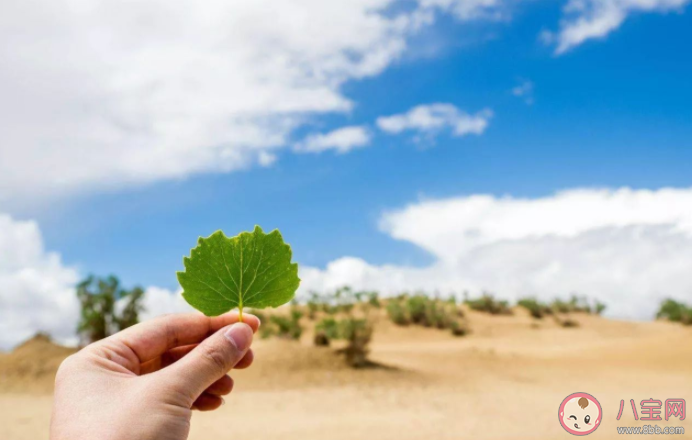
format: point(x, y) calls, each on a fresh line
point(151, 339)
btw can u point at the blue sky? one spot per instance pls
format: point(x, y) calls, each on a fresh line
point(609, 113)
point(526, 147)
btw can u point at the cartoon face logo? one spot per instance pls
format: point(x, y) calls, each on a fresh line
point(580, 414)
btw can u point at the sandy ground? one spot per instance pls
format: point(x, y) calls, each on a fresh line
point(506, 380)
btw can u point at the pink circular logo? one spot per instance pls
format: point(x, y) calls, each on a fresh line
point(580, 414)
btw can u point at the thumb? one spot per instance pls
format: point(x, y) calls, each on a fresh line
point(210, 360)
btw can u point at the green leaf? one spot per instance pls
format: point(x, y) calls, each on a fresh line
point(252, 269)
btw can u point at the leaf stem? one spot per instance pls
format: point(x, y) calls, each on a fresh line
point(240, 313)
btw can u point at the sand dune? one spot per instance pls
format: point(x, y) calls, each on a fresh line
point(506, 380)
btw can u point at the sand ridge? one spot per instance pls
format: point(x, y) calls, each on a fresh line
point(505, 380)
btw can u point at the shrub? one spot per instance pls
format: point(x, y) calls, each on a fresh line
point(374, 299)
point(675, 312)
point(266, 330)
point(358, 333)
point(458, 328)
point(397, 313)
point(422, 310)
point(577, 304)
point(329, 326)
point(488, 304)
point(537, 309)
point(439, 315)
point(314, 304)
point(344, 299)
point(560, 306)
point(417, 306)
point(580, 304)
point(284, 326)
point(326, 330)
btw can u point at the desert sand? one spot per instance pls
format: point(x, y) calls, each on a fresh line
point(505, 380)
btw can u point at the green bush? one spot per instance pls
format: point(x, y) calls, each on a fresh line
point(374, 299)
point(417, 307)
point(458, 328)
point(421, 310)
point(675, 311)
point(439, 314)
point(328, 326)
point(314, 305)
point(358, 333)
point(577, 304)
point(580, 304)
point(537, 309)
point(560, 306)
point(285, 326)
point(488, 304)
point(397, 312)
point(326, 330)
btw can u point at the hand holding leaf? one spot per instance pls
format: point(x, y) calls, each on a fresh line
point(252, 269)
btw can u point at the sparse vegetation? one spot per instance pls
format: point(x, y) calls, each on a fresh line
point(397, 313)
point(358, 333)
point(577, 304)
point(536, 308)
point(565, 322)
point(348, 319)
point(459, 328)
point(561, 310)
point(374, 299)
point(675, 311)
point(286, 327)
point(488, 304)
point(420, 309)
point(326, 330)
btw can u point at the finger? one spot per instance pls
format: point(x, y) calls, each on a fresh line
point(207, 402)
point(166, 359)
point(209, 361)
point(175, 354)
point(221, 387)
point(151, 339)
point(246, 361)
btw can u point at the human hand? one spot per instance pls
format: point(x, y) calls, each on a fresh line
point(143, 382)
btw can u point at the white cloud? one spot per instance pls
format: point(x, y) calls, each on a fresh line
point(266, 159)
point(430, 119)
point(342, 140)
point(627, 247)
point(589, 19)
point(158, 301)
point(630, 248)
point(525, 91)
point(96, 94)
point(36, 289)
point(469, 9)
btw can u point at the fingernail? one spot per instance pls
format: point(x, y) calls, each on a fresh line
point(240, 335)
